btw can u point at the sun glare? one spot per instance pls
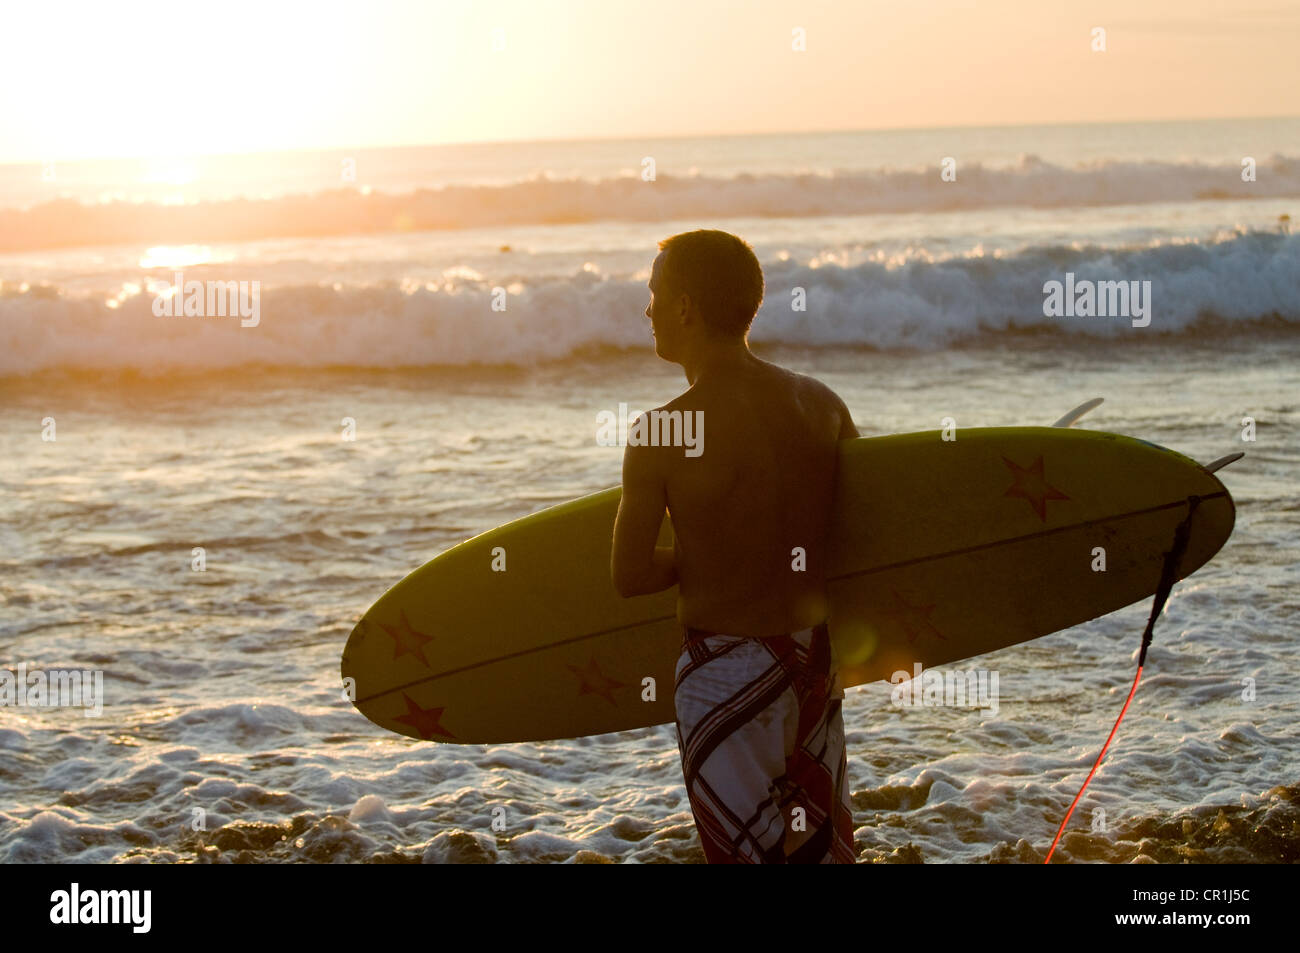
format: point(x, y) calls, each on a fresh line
point(177, 256)
point(169, 172)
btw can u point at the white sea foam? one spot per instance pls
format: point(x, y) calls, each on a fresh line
point(923, 302)
point(228, 708)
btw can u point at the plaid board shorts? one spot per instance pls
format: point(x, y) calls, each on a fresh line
point(761, 733)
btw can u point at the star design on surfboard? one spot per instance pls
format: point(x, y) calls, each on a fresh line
point(595, 682)
point(424, 720)
point(914, 620)
point(409, 641)
point(1031, 484)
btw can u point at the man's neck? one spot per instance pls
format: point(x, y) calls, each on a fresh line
point(719, 358)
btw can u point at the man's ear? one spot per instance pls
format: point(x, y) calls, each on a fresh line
point(684, 306)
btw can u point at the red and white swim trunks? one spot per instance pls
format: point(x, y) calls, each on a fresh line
point(761, 736)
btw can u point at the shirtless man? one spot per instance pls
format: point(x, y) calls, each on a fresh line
point(759, 726)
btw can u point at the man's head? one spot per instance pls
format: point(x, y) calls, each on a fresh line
point(705, 288)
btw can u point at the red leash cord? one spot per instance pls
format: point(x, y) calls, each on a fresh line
point(1168, 576)
point(1097, 764)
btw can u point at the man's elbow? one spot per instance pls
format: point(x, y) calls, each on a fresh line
point(627, 584)
point(633, 577)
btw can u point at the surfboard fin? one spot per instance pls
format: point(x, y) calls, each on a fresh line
point(1069, 419)
point(1222, 462)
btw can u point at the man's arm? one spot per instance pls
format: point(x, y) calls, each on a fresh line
point(636, 564)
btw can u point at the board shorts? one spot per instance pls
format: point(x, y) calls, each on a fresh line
point(761, 735)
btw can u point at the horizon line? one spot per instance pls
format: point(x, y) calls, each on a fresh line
point(635, 137)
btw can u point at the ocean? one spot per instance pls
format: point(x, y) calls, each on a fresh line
point(135, 447)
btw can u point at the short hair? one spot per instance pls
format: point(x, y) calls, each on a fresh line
point(720, 273)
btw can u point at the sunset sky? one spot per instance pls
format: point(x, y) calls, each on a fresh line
point(160, 78)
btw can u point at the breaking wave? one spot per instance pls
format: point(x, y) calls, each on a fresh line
point(923, 302)
point(543, 199)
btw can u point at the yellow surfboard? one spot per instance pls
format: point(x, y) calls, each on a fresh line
point(940, 551)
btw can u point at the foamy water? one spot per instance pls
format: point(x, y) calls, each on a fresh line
point(222, 686)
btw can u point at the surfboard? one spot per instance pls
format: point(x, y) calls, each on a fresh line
point(940, 551)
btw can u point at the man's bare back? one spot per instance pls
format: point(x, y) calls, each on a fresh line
point(750, 513)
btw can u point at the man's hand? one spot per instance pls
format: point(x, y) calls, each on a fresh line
point(637, 566)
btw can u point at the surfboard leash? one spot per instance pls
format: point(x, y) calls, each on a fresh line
point(1168, 576)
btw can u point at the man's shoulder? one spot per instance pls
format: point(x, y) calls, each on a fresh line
point(682, 403)
point(811, 387)
point(815, 394)
point(655, 429)
point(795, 379)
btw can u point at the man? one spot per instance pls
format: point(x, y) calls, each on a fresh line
point(757, 697)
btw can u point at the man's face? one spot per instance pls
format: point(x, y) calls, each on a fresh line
point(660, 312)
